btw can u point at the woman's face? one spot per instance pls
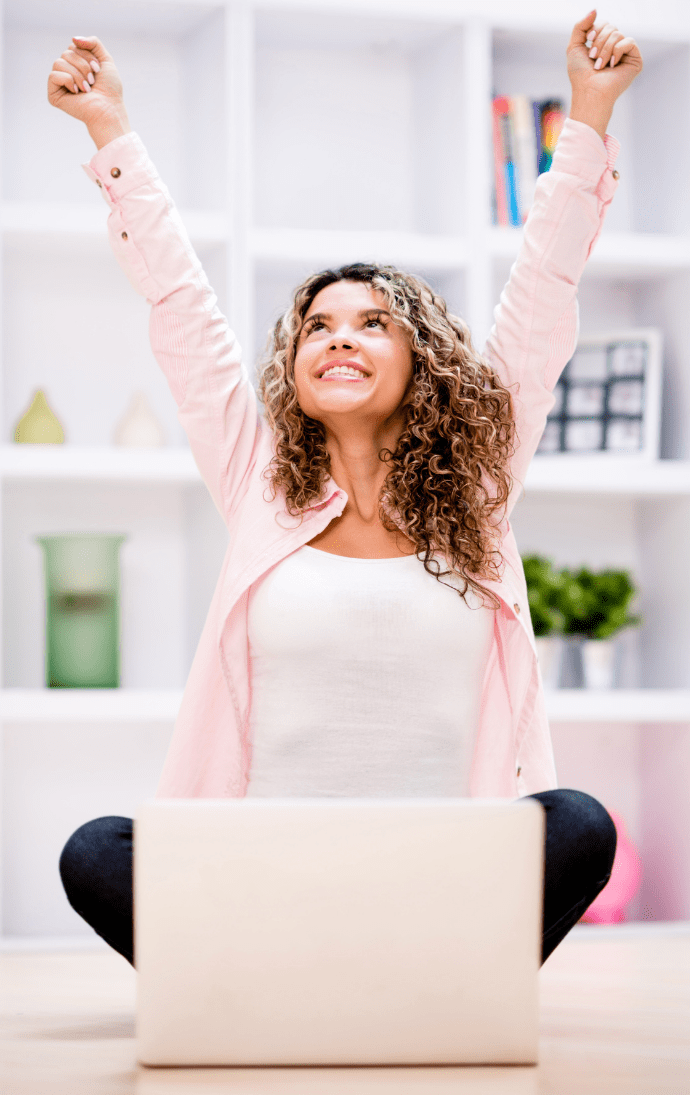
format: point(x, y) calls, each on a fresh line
point(348, 324)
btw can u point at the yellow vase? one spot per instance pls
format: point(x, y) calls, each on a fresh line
point(39, 426)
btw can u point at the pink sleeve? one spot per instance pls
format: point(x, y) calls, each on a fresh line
point(191, 339)
point(536, 321)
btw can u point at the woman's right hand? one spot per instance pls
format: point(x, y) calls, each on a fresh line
point(88, 65)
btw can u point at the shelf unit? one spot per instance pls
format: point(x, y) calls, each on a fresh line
point(139, 705)
point(294, 135)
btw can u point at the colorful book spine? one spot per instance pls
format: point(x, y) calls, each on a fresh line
point(504, 167)
point(551, 125)
point(525, 134)
point(501, 107)
point(526, 153)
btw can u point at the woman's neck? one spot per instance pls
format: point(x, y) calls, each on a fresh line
point(358, 469)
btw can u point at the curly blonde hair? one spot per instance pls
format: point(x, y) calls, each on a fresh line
point(459, 430)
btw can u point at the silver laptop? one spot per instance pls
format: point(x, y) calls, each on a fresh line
point(338, 931)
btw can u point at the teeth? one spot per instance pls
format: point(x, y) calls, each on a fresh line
point(345, 370)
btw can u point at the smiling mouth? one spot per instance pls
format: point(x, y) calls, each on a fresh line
point(349, 374)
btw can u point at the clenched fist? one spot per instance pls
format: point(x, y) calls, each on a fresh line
point(85, 83)
point(602, 61)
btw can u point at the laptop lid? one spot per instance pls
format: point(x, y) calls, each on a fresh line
point(338, 931)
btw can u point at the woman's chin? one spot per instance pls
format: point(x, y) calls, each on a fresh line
point(338, 396)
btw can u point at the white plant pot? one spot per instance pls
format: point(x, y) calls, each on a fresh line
point(550, 656)
point(598, 662)
point(139, 428)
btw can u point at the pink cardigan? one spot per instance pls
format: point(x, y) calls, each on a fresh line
point(533, 337)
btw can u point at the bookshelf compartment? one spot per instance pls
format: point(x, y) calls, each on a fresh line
point(359, 123)
point(153, 565)
point(171, 61)
point(170, 563)
point(646, 536)
point(86, 343)
point(663, 533)
point(596, 532)
point(535, 65)
point(657, 139)
point(656, 299)
point(653, 301)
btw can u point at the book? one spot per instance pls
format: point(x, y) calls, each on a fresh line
point(525, 134)
point(552, 117)
point(526, 153)
point(503, 162)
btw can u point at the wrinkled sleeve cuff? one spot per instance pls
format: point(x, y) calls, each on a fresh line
point(120, 166)
point(580, 151)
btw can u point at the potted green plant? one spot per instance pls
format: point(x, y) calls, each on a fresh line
point(594, 607)
point(543, 593)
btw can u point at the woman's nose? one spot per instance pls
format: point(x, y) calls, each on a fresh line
point(345, 340)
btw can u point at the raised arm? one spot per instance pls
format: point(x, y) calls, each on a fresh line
point(536, 321)
point(190, 338)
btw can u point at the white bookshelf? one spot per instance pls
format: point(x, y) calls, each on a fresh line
point(643, 706)
point(557, 474)
point(296, 135)
point(147, 706)
point(102, 706)
point(639, 479)
point(64, 222)
point(98, 464)
point(617, 254)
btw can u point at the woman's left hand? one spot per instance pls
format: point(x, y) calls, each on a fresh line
point(608, 81)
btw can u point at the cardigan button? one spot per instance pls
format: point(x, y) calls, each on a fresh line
point(115, 172)
point(615, 175)
point(124, 236)
point(516, 606)
point(519, 770)
point(99, 183)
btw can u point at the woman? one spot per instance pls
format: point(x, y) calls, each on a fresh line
point(370, 632)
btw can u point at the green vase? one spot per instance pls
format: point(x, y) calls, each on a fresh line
point(82, 594)
point(39, 426)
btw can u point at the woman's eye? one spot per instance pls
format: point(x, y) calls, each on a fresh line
point(318, 323)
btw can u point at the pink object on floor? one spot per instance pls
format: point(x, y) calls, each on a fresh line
point(608, 907)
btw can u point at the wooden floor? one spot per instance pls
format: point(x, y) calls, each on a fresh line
point(615, 1019)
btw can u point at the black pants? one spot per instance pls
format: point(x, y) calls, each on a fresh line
point(96, 869)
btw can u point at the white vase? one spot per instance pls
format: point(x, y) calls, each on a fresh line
point(550, 656)
point(139, 427)
point(598, 662)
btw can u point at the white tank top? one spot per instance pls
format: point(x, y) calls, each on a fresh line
point(365, 677)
